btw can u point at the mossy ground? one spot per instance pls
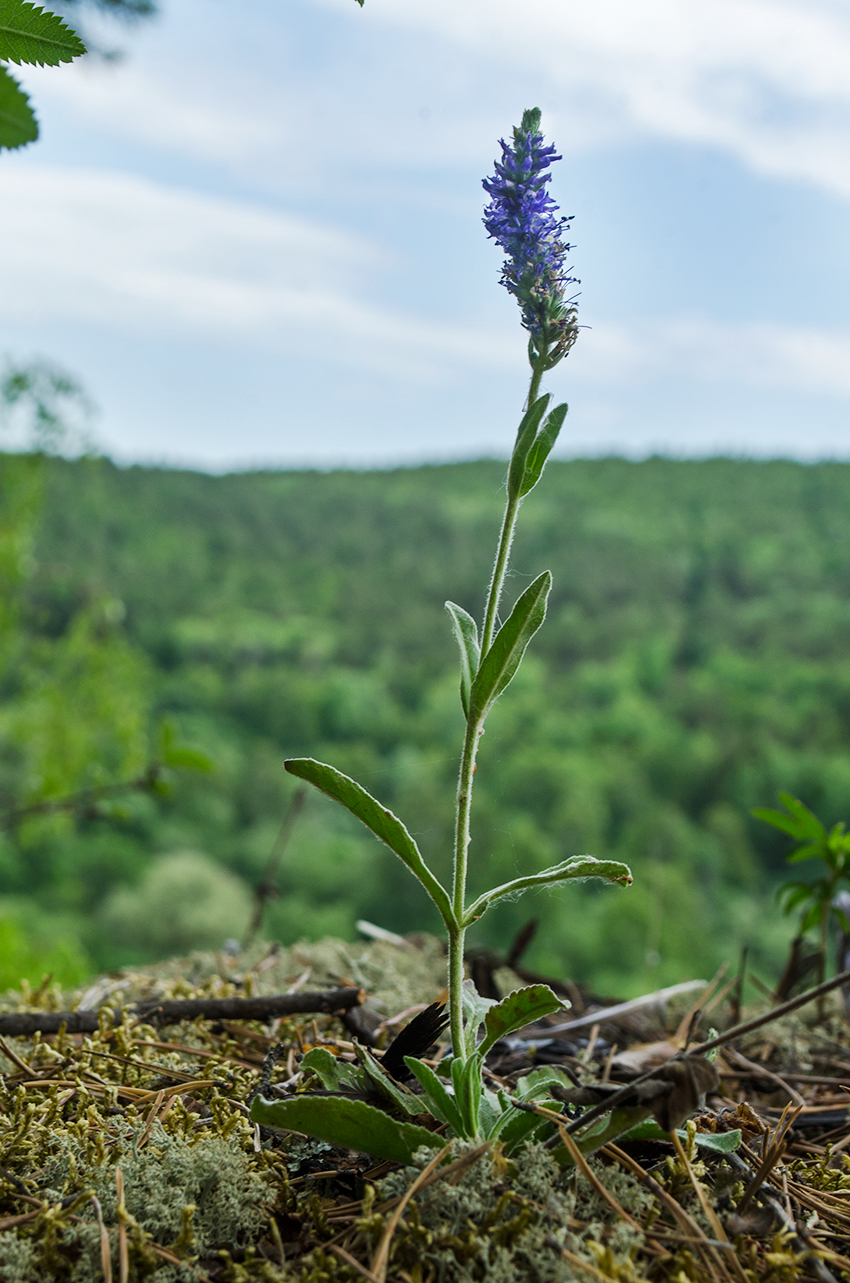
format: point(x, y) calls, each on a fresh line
point(128, 1155)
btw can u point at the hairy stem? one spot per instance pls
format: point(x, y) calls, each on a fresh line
point(470, 749)
point(500, 567)
point(462, 838)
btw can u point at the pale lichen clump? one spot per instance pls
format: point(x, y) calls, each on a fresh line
point(509, 1221)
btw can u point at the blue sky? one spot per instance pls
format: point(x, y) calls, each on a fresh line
point(257, 239)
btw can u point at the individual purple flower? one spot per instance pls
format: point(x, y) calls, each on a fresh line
point(523, 218)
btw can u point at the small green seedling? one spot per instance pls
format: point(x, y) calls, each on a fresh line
point(832, 848)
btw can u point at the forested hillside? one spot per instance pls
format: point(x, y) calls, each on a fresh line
point(695, 662)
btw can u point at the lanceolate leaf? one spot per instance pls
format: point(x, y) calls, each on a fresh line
point(466, 631)
point(525, 436)
point(504, 656)
point(30, 34)
point(542, 448)
point(382, 822)
point(580, 866)
point(518, 1009)
point(18, 125)
point(440, 1100)
point(350, 1123)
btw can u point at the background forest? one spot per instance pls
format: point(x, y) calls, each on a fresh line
point(695, 663)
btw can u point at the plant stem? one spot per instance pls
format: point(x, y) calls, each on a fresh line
point(500, 566)
point(456, 931)
point(506, 538)
point(462, 838)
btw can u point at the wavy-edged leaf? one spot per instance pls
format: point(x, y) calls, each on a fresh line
point(542, 448)
point(525, 439)
point(350, 1123)
point(34, 35)
point(465, 630)
point(518, 1009)
point(437, 1096)
point(578, 867)
point(382, 822)
point(333, 1074)
point(18, 125)
point(498, 666)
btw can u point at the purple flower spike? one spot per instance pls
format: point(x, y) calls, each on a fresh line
point(523, 218)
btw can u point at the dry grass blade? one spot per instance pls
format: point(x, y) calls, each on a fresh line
point(763, 1072)
point(121, 1212)
point(13, 1056)
point(719, 1232)
point(579, 1263)
point(381, 1257)
point(688, 1224)
point(154, 1110)
point(584, 1167)
point(351, 1262)
point(105, 1254)
point(772, 1153)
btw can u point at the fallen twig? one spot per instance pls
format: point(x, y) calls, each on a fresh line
point(22, 1023)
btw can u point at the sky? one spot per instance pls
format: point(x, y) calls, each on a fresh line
point(256, 239)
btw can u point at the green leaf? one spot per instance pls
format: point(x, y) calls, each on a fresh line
point(466, 631)
point(437, 1096)
point(382, 822)
point(778, 820)
point(498, 666)
point(525, 436)
point(394, 1092)
point(30, 34)
point(475, 1008)
point(809, 823)
point(813, 917)
point(619, 1122)
point(807, 852)
point(518, 1009)
point(579, 866)
point(350, 1123)
point(718, 1142)
point(333, 1074)
point(466, 1080)
point(794, 894)
point(540, 451)
point(18, 125)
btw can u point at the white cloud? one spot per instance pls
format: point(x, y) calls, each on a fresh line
point(756, 354)
point(116, 249)
point(766, 80)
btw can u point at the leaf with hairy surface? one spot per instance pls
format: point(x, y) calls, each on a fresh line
point(466, 632)
point(505, 655)
point(518, 1009)
point(350, 1123)
point(382, 822)
point(579, 867)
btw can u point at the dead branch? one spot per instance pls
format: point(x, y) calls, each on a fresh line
point(328, 1001)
